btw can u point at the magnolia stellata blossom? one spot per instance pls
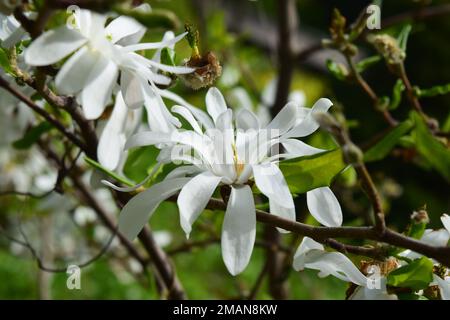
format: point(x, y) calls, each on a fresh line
point(11, 32)
point(233, 152)
point(435, 238)
point(99, 54)
point(312, 255)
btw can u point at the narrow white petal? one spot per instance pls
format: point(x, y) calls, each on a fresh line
point(286, 213)
point(140, 208)
point(296, 148)
point(444, 286)
point(215, 103)
point(171, 69)
point(181, 172)
point(324, 206)
point(53, 46)
point(238, 229)
point(445, 218)
point(75, 72)
point(131, 86)
point(305, 246)
point(187, 115)
point(285, 119)
point(122, 27)
point(308, 125)
point(154, 45)
point(194, 197)
point(147, 138)
point(96, 95)
point(112, 140)
point(245, 120)
point(270, 181)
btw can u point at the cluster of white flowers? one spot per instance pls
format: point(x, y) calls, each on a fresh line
point(222, 148)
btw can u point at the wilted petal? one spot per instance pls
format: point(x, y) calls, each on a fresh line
point(305, 246)
point(194, 197)
point(139, 209)
point(238, 229)
point(324, 206)
point(53, 46)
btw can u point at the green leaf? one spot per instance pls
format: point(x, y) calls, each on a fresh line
point(416, 275)
point(403, 37)
point(107, 172)
point(167, 56)
point(336, 69)
point(416, 230)
point(139, 163)
point(431, 92)
point(307, 173)
point(431, 149)
point(4, 62)
point(32, 136)
point(362, 65)
point(397, 91)
point(380, 150)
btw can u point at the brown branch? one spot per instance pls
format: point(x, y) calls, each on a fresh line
point(42, 113)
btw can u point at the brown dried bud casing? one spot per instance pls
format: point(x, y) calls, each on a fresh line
point(207, 70)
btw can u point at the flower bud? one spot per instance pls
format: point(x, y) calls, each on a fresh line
point(388, 47)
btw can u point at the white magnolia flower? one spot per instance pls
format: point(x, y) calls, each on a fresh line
point(11, 32)
point(231, 153)
point(436, 238)
point(100, 54)
point(312, 255)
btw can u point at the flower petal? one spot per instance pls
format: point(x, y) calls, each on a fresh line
point(444, 286)
point(122, 27)
point(446, 222)
point(75, 72)
point(53, 46)
point(270, 181)
point(308, 125)
point(112, 140)
point(324, 206)
point(140, 208)
point(154, 45)
point(147, 138)
point(245, 120)
point(238, 229)
point(305, 246)
point(194, 197)
point(311, 256)
point(285, 119)
point(215, 103)
point(187, 115)
point(296, 148)
point(96, 95)
point(286, 213)
point(131, 86)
